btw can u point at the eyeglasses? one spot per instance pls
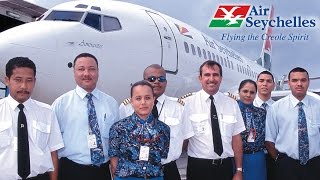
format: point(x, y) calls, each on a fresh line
point(160, 79)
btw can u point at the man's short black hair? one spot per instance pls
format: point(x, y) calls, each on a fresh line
point(266, 72)
point(84, 55)
point(19, 62)
point(298, 69)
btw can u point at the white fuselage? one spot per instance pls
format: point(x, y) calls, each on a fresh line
point(145, 37)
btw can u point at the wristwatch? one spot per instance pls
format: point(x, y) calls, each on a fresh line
point(239, 169)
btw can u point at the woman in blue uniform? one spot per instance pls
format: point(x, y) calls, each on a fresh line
point(138, 142)
point(253, 137)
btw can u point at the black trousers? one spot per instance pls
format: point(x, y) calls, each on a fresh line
point(70, 170)
point(208, 169)
point(288, 168)
point(44, 176)
point(270, 167)
point(171, 171)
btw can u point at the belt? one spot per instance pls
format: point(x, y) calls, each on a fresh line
point(252, 152)
point(284, 155)
point(215, 162)
point(70, 162)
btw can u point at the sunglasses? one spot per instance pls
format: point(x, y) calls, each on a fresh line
point(160, 79)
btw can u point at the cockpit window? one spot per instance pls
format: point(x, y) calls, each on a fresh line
point(111, 23)
point(96, 8)
point(93, 20)
point(83, 6)
point(64, 16)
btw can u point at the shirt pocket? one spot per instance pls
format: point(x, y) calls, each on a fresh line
point(5, 134)
point(41, 134)
point(227, 123)
point(200, 123)
point(106, 125)
point(314, 129)
point(174, 125)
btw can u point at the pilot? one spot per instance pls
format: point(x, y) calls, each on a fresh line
point(217, 123)
point(293, 131)
point(265, 84)
point(85, 115)
point(168, 110)
point(29, 130)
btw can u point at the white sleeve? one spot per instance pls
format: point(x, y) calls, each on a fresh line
point(55, 141)
point(125, 110)
point(271, 125)
point(187, 127)
point(239, 125)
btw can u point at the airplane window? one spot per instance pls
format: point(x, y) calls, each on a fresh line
point(83, 6)
point(111, 23)
point(218, 59)
point(209, 55)
point(186, 47)
point(213, 57)
point(65, 16)
point(199, 51)
point(204, 54)
point(193, 49)
point(221, 61)
point(93, 20)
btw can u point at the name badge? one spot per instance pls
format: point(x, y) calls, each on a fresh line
point(252, 135)
point(144, 153)
point(92, 141)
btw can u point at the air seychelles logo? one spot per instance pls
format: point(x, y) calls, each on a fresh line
point(229, 16)
point(255, 16)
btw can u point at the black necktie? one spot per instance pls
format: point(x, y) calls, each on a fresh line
point(23, 145)
point(155, 110)
point(216, 136)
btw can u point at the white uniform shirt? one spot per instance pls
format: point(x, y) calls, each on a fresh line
point(282, 125)
point(43, 134)
point(197, 111)
point(258, 103)
point(170, 113)
point(72, 114)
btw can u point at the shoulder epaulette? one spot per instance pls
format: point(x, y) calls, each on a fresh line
point(186, 95)
point(232, 96)
point(126, 101)
point(180, 101)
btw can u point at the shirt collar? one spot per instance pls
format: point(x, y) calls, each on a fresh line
point(161, 98)
point(82, 93)
point(205, 96)
point(259, 101)
point(13, 103)
point(149, 119)
point(294, 101)
point(244, 106)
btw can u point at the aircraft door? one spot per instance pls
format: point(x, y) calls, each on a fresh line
point(169, 53)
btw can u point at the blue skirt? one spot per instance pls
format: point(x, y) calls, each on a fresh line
point(134, 178)
point(254, 166)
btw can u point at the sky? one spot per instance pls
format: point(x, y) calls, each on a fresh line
point(285, 53)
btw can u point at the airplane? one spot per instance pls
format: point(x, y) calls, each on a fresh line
point(125, 38)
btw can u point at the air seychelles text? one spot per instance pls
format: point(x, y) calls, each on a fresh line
point(295, 21)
